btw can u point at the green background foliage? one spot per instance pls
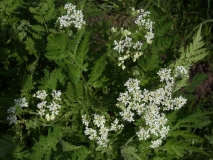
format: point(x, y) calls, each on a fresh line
point(37, 55)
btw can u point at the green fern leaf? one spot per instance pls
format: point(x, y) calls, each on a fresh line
point(194, 52)
point(27, 85)
point(71, 92)
point(97, 70)
point(80, 90)
point(82, 51)
point(50, 80)
point(186, 135)
point(177, 147)
point(149, 62)
point(38, 28)
point(76, 41)
point(130, 153)
point(43, 148)
point(30, 46)
point(57, 47)
point(68, 147)
point(80, 154)
point(196, 120)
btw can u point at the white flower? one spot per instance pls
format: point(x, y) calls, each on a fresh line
point(156, 143)
point(49, 117)
point(180, 71)
point(11, 110)
point(12, 119)
point(124, 98)
point(84, 120)
point(41, 112)
point(41, 94)
point(21, 102)
point(143, 134)
point(115, 126)
point(113, 29)
point(91, 132)
point(42, 104)
point(99, 121)
point(127, 115)
point(73, 17)
point(165, 75)
point(132, 85)
point(56, 95)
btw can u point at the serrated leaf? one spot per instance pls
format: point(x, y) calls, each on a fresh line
point(57, 47)
point(68, 147)
point(38, 28)
point(194, 52)
point(97, 69)
point(130, 153)
point(80, 154)
point(30, 45)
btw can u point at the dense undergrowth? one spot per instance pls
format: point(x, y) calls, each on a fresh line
point(106, 79)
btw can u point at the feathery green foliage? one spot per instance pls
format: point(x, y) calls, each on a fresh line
point(43, 148)
point(42, 54)
point(193, 53)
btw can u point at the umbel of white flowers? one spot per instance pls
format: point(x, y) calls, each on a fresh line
point(73, 17)
point(127, 47)
point(51, 109)
point(100, 133)
point(149, 105)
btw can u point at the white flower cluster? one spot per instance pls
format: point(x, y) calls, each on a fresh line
point(149, 105)
point(21, 102)
point(51, 110)
point(127, 48)
point(131, 48)
point(101, 136)
point(12, 115)
point(73, 16)
point(181, 71)
point(144, 22)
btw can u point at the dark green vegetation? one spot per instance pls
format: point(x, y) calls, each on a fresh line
point(35, 54)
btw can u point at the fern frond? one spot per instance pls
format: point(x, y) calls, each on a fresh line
point(177, 147)
point(30, 46)
point(80, 154)
point(196, 120)
point(57, 47)
point(130, 153)
point(97, 70)
point(27, 85)
point(38, 28)
point(194, 52)
point(71, 92)
point(186, 135)
point(68, 147)
point(82, 51)
point(149, 62)
point(50, 80)
point(76, 41)
point(43, 148)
